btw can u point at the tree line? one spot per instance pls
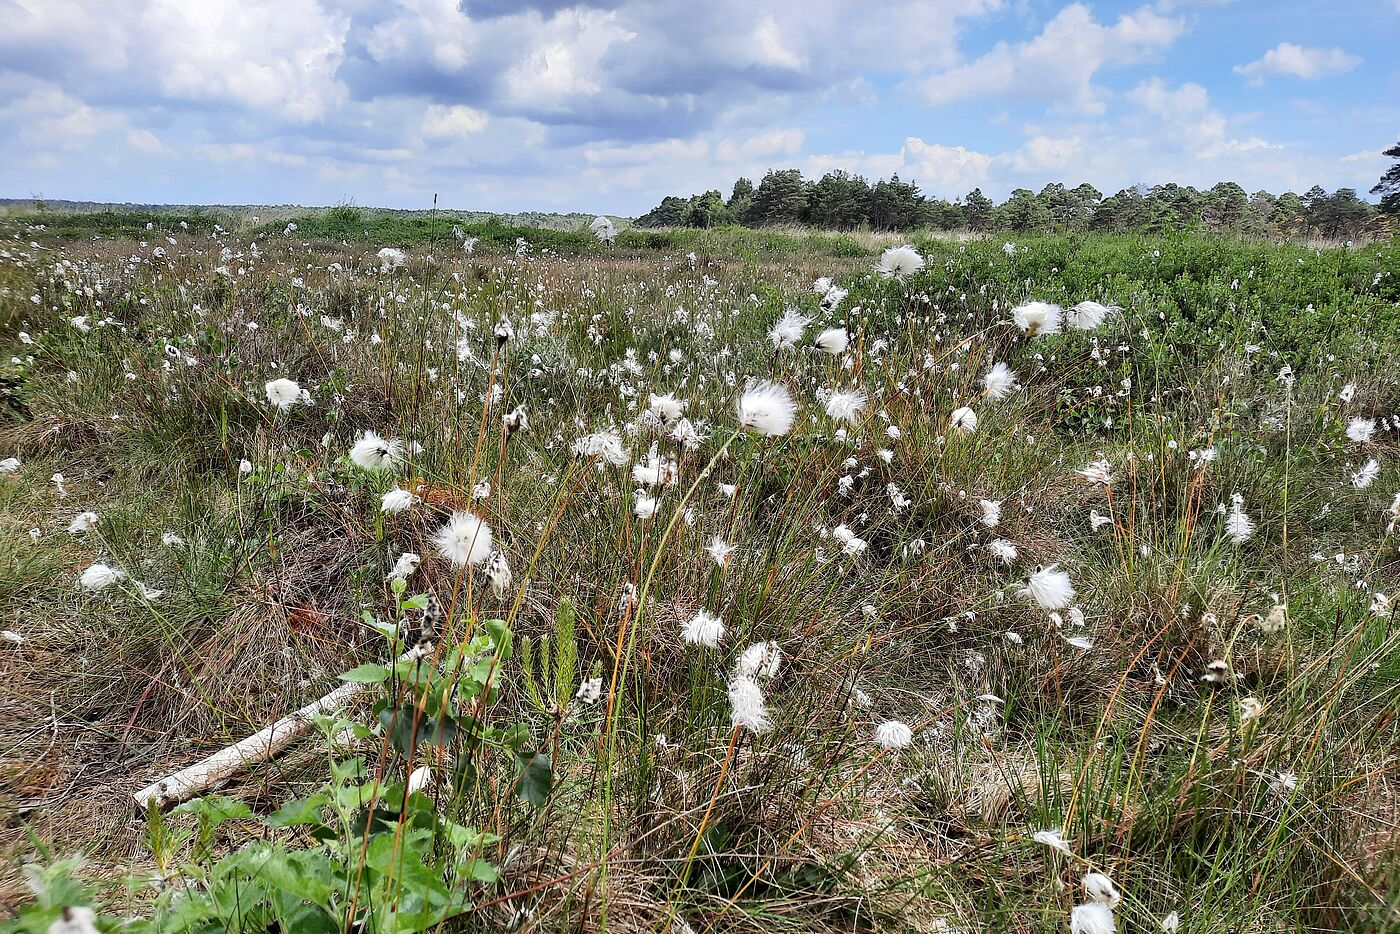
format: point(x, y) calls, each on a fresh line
point(840, 200)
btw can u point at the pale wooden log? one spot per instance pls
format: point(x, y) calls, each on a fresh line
point(259, 747)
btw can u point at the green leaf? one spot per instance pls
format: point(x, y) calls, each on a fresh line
point(478, 870)
point(500, 637)
point(536, 777)
point(368, 673)
point(299, 812)
point(515, 736)
point(215, 808)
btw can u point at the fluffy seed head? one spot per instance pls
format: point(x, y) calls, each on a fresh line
point(1049, 588)
point(746, 705)
point(464, 540)
point(789, 330)
point(396, 500)
point(999, 381)
point(846, 406)
point(1100, 888)
point(899, 261)
point(893, 734)
point(1037, 318)
point(833, 341)
point(703, 629)
point(1091, 918)
point(963, 419)
point(767, 409)
point(1088, 315)
point(282, 393)
point(372, 452)
point(99, 576)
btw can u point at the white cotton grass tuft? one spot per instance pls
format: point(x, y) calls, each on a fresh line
point(420, 779)
point(747, 708)
point(846, 406)
point(83, 522)
point(703, 628)
point(605, 445)
point(851, 543)
point(603, 229)
point(1100, 888)
point(1091, 918)
point(372, 452)
point(1037, 318)
point(74, 919)
point(1003, 550)
point(391, 257)
point(991, 512)
point(893, 735)
point(719, 551)
point(644, 507)
point(788, 330)
point(1359, 430)
point(1100, 473)
point(999, 381)
point(1049, 588)
point(667, 408)
point(833, 341)
point(1367, 475)
point(396, 501)
point(1088, 315)
point(1239, 527)
point(404, 567)
point(99, 576)
point(899, 261)
point(498, 574)
point(464, 540)
point(760, 660)
point(1054, 839)
point(283, 393)
point(767, 408)
point(963, 420)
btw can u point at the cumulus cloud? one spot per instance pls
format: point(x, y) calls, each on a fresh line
point(1061, 62)
point(455, 121)
point(1298, 61)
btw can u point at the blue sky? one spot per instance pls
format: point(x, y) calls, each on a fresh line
point(607, 105)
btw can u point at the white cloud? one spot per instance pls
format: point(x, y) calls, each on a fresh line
point(768, 46)
point(941, 171)
point(455, 121)
point(433, 29)
point(1060, 63)
point(147, 142)
point(1299, 62)
point(1184, 119)
point(939, 168)
point(1050, 155)
point(275, 55)
point(667, 151)
point(563, 59)
point(775, 143)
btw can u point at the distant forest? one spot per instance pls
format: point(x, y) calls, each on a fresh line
point(842, 201)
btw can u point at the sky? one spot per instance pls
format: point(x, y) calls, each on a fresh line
point(606, 106)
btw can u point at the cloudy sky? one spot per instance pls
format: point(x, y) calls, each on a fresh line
point(608, 105)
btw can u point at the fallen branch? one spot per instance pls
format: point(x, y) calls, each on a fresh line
point(260, 747)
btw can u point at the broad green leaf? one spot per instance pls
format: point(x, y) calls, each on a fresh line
point(536, 777)
point(368, 673)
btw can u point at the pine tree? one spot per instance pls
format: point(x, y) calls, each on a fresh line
point(1389, 185)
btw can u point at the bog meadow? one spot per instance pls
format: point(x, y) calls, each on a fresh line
point(696, 580)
